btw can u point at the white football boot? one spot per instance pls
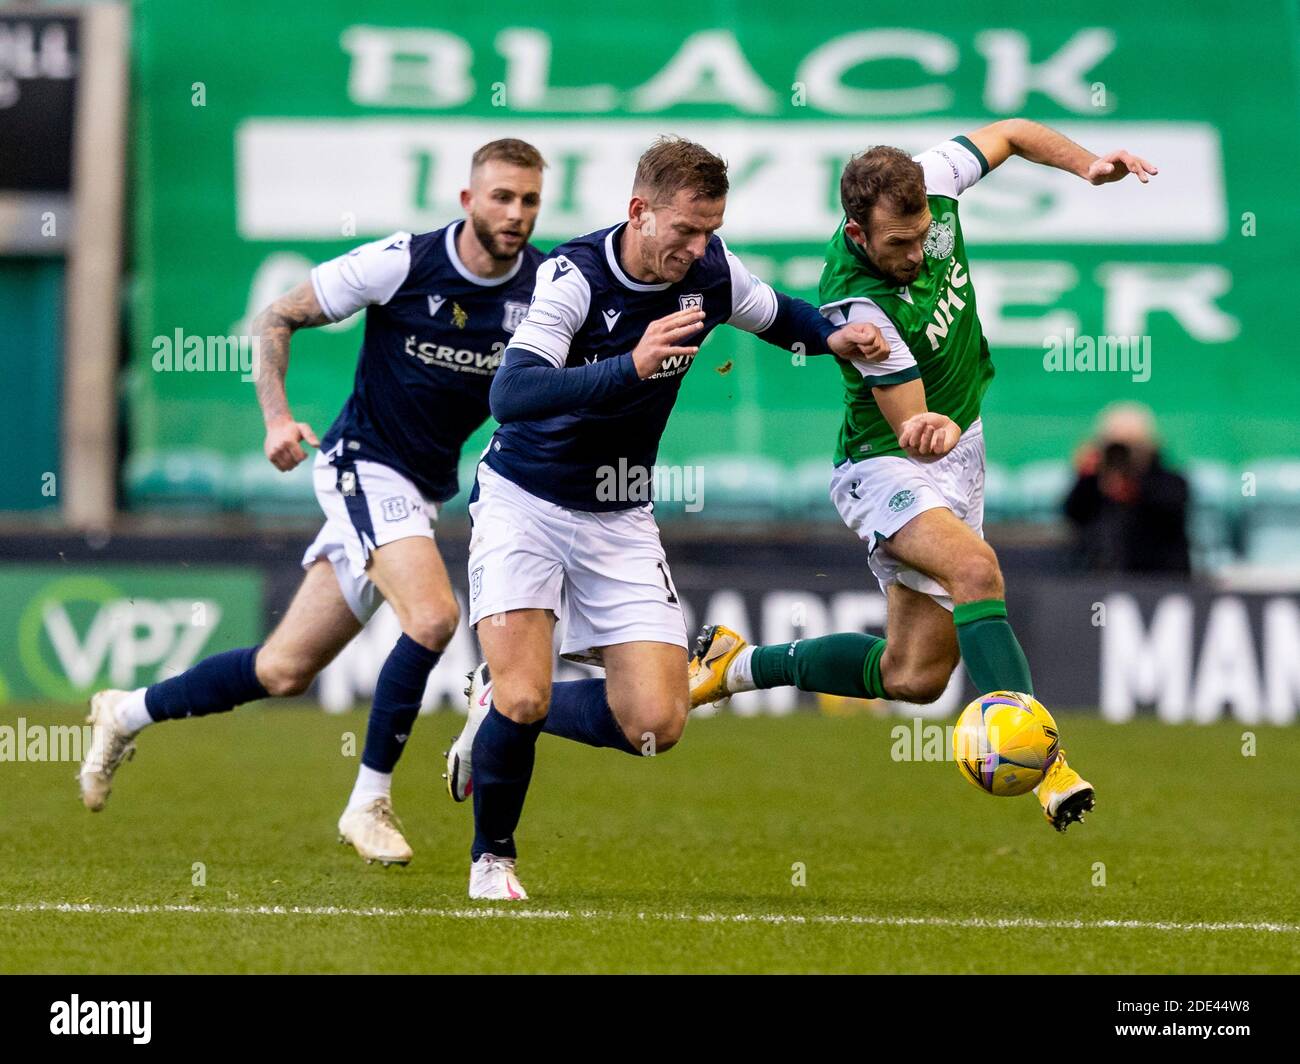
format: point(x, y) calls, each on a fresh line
point(375, 832)
point(493, 878)
point(460, 784)
point(110, 745)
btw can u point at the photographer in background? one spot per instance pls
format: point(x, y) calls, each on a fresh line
point(1128, 509)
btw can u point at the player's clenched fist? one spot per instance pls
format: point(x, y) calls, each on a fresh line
point(282, 444)
point(929, 435)
point(860, 340)
point(663, 339)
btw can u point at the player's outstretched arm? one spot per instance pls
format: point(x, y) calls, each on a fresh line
point(529, 386)
point(297, 309)
point(1039, 144)
point(791, 324)
point(921, 432)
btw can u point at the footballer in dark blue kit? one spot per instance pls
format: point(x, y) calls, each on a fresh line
point(587, 386)
point(440, 311)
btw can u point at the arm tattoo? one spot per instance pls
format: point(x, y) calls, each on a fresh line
point(297, 309)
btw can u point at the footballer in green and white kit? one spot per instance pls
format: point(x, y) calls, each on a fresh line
point(909, 473)
point(934, 336)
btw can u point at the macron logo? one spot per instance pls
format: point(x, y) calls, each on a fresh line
point(102, 1017)
point(562, 266)
point(435, 305)
point(611, 318)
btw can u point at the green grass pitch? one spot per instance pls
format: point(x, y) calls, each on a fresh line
point(687, 862)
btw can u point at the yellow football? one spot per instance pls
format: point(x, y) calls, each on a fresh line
point(1004, 742)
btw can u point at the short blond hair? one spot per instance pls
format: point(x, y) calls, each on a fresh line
point(672, 164)
point(508, 150)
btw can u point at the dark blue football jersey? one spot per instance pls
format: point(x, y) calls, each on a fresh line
point(434, 336)
point(586, 309)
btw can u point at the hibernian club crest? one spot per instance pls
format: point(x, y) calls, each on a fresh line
point(901, 500)
point(939, 240)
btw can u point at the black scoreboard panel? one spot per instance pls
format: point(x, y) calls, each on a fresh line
point(40, 68)
point(39, 59)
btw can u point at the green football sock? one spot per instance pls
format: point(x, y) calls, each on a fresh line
point(989, 648)
point(844, 664)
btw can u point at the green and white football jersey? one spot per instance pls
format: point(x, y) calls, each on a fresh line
point(931, 325)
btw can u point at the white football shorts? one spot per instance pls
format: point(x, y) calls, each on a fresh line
point(603, 574)
point(366, 505)
point(878, 496)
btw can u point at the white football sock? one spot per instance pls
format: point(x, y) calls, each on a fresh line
point(740, 674)
point(131, 712)
point(369, 786)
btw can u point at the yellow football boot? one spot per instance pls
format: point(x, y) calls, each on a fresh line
point(715, 648)
point(1064, 795)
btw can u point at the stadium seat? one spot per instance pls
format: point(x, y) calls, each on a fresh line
point(183, 479)
point(1213, 485)
point(1271, 516)
point(1277, 482)
point(1215, 500)
point(263, 489)
point(737, 487)
point(1043, 486)
point(806, 494)
point(1001, 494)
point(1273, 545)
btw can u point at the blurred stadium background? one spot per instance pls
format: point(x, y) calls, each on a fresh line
point(169, 166)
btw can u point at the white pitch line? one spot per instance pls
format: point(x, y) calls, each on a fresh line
point(486, 913)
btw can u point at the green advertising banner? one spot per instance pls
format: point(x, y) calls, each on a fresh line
point(269, 141)
point(69, 631)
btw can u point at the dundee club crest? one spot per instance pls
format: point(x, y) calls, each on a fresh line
point(514, 315)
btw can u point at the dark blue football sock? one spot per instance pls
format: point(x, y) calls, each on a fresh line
point(503, 757)
point(398, 693)
point(580, 711)
point(215, 685)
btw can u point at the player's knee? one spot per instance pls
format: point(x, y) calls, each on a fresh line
point(919, 686)
point(283, 675)
point(522, 701)
point(977, 576)
point(654, 729)
point(914, 679)
point(659, 737)
point(432, 625)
